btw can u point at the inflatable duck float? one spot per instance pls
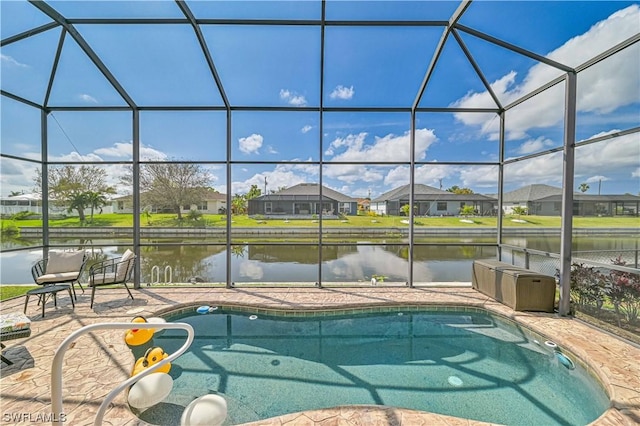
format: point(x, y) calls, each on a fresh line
point(153, 388)
point(153, 356)
point(138, 336)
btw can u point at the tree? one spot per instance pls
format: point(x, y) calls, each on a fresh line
point(253, 192)
point(71, 186)
point(583, 187)
point(239, 204)
point(457, 190)
point(173, 185)
point(95, 200)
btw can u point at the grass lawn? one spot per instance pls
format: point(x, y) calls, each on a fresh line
point(220, 221)
point(11, 291)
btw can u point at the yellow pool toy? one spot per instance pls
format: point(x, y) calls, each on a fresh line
point(138, 336)
point(153, 356)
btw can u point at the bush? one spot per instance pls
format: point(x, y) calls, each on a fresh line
point(623, 289)
point(23, 215)
point(588, 286)
point(591, 289)
point(194, 215)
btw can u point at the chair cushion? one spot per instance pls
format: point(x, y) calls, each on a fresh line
point(60, 277)
point(64, 261)
point(13, 322)
point(123, 268)
point(98, 279)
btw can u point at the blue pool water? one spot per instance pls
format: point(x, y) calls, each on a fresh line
point(462, 363)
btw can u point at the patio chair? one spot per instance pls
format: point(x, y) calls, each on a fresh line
point(112, 272)
point(60, 268)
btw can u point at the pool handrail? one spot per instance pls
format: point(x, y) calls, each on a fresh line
point(56, 365)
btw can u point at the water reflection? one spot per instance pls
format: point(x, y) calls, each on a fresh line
point(355, 261)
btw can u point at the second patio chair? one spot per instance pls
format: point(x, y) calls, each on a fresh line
point(112, 272)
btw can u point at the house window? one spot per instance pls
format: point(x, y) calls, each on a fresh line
point(202, 205)
point(267, 207)
point(557, 206)
point(345, 208)
point(442, 206)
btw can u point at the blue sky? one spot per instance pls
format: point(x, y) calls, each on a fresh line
point(364, 66)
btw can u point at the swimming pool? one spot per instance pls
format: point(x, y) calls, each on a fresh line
point(460, 362)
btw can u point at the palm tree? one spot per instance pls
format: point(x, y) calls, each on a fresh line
point(583, 187)
point(95, 200)
point(78, 201)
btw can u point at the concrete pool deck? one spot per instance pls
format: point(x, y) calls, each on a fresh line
point(96, 363)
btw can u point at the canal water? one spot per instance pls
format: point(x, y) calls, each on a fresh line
point(440, 258)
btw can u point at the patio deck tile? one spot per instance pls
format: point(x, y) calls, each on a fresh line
point(96, 363)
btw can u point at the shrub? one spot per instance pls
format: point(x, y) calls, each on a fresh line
point(194, 215)
point(588, 286)
point(23, 215)
point(623, 289)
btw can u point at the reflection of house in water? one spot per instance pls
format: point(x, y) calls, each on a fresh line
point(307, 254)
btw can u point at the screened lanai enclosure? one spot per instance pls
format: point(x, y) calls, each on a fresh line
point(281, 143)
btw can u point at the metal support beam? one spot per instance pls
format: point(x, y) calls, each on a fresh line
point(44, 178)
point(136, 196)
point(564, 306)
point(320, 133)
point(53, 14)
point(514, 48)
point(436, 55)
point(412, 178)
point(205, 50)
point(54, 68)
point(500, 184)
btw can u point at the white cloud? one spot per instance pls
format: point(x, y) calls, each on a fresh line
point(352, 173)
point(341, 92)
point(603, 88)
point(251, 144)
point(250, 270)
point(11, 61)
point(16, 176)
point(87, 98)
point(306, 129)
point(636, 173)
point(292, 98)
point(271, 150)
point(118, 150)
point(597, 178)
point(618, 155)
point(353, 148)
point(613, 155)
point(534, 145)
